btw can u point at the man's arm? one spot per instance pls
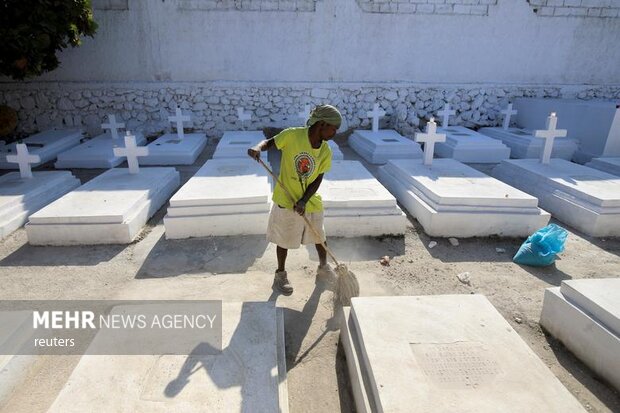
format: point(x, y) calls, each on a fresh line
point(300, 206)
point(264, 145)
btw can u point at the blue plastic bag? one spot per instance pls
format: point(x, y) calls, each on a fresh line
point(541, 248)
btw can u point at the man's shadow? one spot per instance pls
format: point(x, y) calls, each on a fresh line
point(242, 363)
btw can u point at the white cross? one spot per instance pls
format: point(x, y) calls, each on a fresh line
point(430, 138)
point(549, 136)
point(113, 126)
point(179, 118)
point(375, 114)
point(305, 114)
point(243, 116)
point(446, 113)
point(508, 112)
point(131, 151)
point(23, 159)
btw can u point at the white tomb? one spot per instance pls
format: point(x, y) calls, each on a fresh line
point(508, 113)
point(379, 146)
point(304, 115)
point(469, 146)
point(337, 154)
point(23, 159)
point(235, 144)
point(585, 198)
point(528, 143)
point(110, 209)
point(176, 149)
point(445, 115)
point(248, 376)
point(466, 145)
point(97, 152)
point(594, 123)
point(24, 193)
point(16, 333)
point(585, 316)
point(446, 353)
point(227, 196)
point(46, 145)
point(356, 204)
point(243, 116)
point(609, 165)
point(451, 199)
point(21, 197)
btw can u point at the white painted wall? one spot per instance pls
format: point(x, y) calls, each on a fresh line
point(153, 40)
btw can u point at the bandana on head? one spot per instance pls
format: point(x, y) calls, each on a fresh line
point(325, 113)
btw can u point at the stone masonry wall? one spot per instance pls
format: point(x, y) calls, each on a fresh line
point(214, 108)
point(576, 8)
point(248, 5)
point(458, 7)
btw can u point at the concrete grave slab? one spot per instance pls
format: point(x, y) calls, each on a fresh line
point(249, 374)
point(110, 209)
point(21, 197)
point(594, 123)
point(356, 204)
point(15, 369)
point(448, 353)
point(383, 145)
point(169, 149)
point(585, 316)
point(95, 153)
point(235, 144)
point(582, 197)
point(47, 145)
point(337, 154)
point(524, 145)
point(609, 165)
point(450, 198)
point(227, 196)
point(469, 146)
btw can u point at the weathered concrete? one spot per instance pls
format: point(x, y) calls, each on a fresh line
point(585, 198)
point(451, 199)
point(448, 353)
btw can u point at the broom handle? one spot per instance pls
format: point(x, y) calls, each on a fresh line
point(308, 223)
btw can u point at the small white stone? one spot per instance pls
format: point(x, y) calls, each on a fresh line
point(454, 242)
point(464, 278)
point(432, 244)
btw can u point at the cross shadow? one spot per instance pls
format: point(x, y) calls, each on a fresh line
point(218, 255)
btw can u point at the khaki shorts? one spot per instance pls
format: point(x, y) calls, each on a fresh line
point(287, 228)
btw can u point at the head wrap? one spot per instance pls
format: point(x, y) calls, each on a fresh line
point(325, 113)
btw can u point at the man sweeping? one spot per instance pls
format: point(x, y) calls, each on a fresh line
point(306, 157)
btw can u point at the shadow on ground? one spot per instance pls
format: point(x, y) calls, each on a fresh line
point(79, 255)
point(217, 255)
point(550, 274)
point(583, 374)
point(348, 250)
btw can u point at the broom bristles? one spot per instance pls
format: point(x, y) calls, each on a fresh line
point(348, 286)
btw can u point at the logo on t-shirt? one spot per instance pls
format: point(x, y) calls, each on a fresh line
point(304, 165)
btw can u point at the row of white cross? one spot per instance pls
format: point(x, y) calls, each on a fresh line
point(131, 151)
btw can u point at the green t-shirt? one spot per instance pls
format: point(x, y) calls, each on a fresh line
point(300, 166)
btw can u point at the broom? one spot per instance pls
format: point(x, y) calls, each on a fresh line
point(347, 286)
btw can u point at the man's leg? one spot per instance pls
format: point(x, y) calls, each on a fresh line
point(281, 281)
point(322, 254)
point(281, 253)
